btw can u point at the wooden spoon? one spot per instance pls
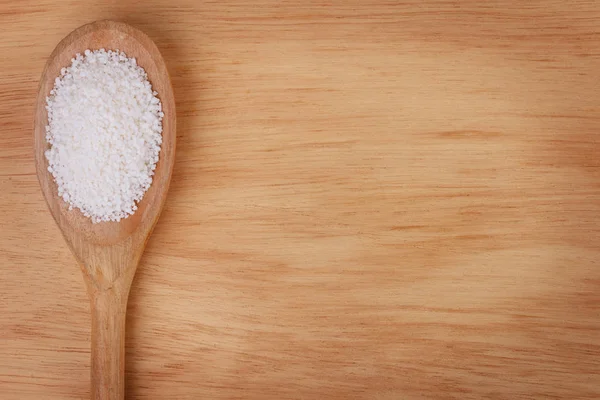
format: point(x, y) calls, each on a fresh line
point(108, 252)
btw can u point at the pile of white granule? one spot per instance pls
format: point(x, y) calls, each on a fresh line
point(104, 130)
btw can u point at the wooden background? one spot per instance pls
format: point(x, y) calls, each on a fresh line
point(371, 200)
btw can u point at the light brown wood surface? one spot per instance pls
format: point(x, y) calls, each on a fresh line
point(370, 200)
point(108, 253)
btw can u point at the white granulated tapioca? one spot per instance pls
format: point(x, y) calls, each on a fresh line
point(104, 130)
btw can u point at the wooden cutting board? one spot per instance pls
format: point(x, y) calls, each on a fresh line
point(371, 200)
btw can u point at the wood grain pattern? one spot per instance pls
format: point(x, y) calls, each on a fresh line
point(108, 253)
point(370, 200)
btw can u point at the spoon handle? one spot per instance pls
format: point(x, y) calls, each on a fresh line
point(108, 344)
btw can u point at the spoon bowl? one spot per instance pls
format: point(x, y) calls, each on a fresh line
point(108, 252)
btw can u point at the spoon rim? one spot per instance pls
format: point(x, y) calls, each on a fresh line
point(72, 222)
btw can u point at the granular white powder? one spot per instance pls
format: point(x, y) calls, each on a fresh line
point(104, 129)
